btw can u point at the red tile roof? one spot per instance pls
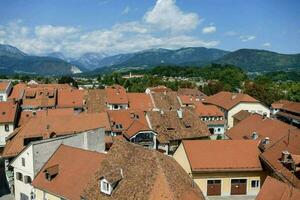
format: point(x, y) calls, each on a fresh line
point(264, 127)
point(4, 85)
point(39, 97)
point(8, 111)
point(243, 114)
point(274, 189)
point(208, 110)
point(191, 92)
point(130, 120)
point(140, 101)
point(116, 94)
point(71, 98)
point(271, 157)
point(169, 126)
point(227, 100)
point(43, 126)
point(17, 91)
point(148, 175)
point(73, 174)
point(222, 155)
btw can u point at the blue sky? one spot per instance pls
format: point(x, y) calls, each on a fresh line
point(75, 27)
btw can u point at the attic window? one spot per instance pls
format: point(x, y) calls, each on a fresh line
point(3, 113)
point(19, 176)
point(187, 125)
point(110, 181)
point(51, 172)
point(119, 126)
point(170, 129)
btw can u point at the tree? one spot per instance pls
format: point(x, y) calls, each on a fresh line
point(68, 80)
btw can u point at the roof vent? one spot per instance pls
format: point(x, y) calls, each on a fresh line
point(233, 96)
point(266, 141)
point(254, 136)
point(180, 113)
point(285, 157)
point(51, 172)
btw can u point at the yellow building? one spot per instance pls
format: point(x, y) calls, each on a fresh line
point(222, 167)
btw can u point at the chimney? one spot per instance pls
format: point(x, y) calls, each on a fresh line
point(285, 156)
point(180, 113)
point(233, 96)
point(266, 141)
point(254, 136)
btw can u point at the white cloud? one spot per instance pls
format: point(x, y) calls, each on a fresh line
point(267, 44)
point(50, 31)
point(167, 16)
point(209, 29)
point(246, 38)
point(126, 10)
point(120, 38)
point(231, 33)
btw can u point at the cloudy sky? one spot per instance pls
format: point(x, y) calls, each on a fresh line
point(74, 27)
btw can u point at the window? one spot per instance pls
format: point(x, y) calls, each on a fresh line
point(6, 127)
point(255, 183)
point(116, 106)
point(19, 176)
point(23, 162)
point(27, 179)
point(1, 98)
point(213, 182)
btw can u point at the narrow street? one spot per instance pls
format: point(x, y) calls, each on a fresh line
point(4, 190)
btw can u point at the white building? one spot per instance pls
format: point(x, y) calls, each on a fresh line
point(232, 103)
point(30, 161)
point(5, 89)
point(116, 98)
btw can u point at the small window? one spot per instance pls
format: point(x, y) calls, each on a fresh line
point(19, 176)
point(27, 179)
point(219, 129)
point(6, 126)
point(213, 182)
point(23, 162)
point(255, 183)
point(116, 106)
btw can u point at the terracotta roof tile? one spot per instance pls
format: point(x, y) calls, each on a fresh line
point(166, 100)
point(262, 126)
point(4, 85)
point(148, 175)
point(191, 92)
point(243, 114)
point(274, 189)
point(140, 101)
point(116, 94)
point(169, 126)
point(95, 100)
point(73, 174)
point(208, 110)
point(17, 91)
point(71, 98)
point(271, 157)
point(44, 125)
point(222, 155)
point(227, 100)
point(8, 111)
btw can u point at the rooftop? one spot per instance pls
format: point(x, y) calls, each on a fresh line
point(227, 100)
point(116, 94)
point(72, 174)
point(4, 85)
point(222, 155)
point(283, 191)
point(8, 111)
point(140, 101)
point(46, 126)
point(262, 126)
point(169, 126)
point(272, 157)
point(147, 175)
point(71, 98)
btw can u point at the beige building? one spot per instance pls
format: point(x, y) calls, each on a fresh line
point(222, 167)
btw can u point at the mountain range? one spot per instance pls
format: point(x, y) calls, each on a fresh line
point(12, 60)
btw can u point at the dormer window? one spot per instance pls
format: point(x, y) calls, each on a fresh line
point(51, 172)
point(110, 181)
point(254, 136)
